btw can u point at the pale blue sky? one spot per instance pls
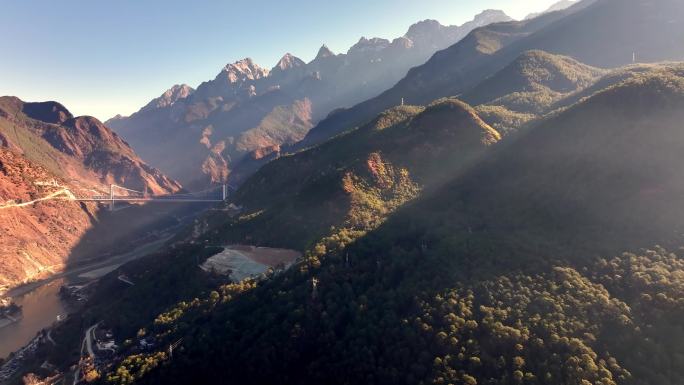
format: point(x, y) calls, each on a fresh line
point(102, 57)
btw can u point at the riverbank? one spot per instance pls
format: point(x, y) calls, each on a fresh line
point(41, 302)
point(93, 270)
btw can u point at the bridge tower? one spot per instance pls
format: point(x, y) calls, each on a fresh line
point(111, 197)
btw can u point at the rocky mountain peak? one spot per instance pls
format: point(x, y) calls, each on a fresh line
point(423, 28)
point(324, 52)
point(430, 33)
point(170, 97)
point(243, 70)
point(402, 43)
point(490, 16)
point(289, 61)
point(369, 45)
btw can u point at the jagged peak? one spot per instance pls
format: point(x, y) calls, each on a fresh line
point(170, 97)
point(244, 69)
point(181, 90)
point(368, 45)
point(486, 17)
point(423, 27)
point(402, 42)
point(430, 28)
point(324, 52)
point(289, 61)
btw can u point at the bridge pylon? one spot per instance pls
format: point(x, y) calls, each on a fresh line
point(111, 197)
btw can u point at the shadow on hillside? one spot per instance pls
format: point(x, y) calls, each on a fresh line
point(129, 232)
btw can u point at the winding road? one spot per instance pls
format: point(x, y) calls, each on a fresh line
point(68, 194)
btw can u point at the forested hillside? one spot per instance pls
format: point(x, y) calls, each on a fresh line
point(603, 33)
point(353, 182)
point(510, 273)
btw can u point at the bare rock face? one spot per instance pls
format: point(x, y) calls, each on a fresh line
point(369, 45)
point(324, 52)
point(34, 240)
point(289, 69)
point(430, 33)
point(242, 71)
point(168, 98)
point(44, 150)
point(263, 152)
point(289, 62)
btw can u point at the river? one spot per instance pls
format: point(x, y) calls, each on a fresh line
point(41, 303)
point(40, 308)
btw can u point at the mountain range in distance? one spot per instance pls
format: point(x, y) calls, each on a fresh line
point(578, 31)
point(229, 125)
point(559, 6)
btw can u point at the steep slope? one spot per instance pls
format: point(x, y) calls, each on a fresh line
point(80, 148)
point(532, 85)
point(494, 278)
point(354, 181)
point(533, 82)
point(174, 94)
point(35, 239)
point(220, 127)
point(45, 151)
point(603, 33)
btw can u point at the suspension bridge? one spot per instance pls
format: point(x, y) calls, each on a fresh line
point(126, 195)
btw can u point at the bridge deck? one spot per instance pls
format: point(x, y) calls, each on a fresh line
point(170, 200)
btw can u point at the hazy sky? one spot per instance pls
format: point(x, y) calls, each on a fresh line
point(106, 57)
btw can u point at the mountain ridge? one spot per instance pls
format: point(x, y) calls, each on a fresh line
point(244, 95)
point(646, 29)
point(45, 150)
